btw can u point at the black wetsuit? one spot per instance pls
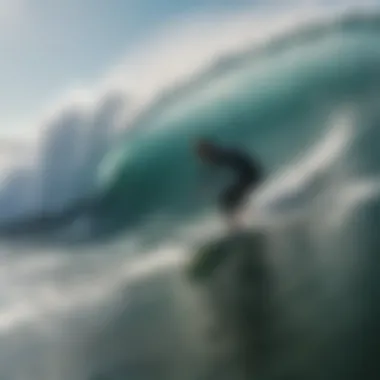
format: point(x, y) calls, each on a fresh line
point(248, 175)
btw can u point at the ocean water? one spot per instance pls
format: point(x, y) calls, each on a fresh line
point(107, 298)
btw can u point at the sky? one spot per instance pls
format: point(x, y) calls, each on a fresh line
point(49, 47)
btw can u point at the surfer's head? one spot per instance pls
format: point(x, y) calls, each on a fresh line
point(205, 148)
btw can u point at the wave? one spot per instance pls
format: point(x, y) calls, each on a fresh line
point(275, 100)
point(310, 109)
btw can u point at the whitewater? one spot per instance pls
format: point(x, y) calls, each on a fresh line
point(106, 297)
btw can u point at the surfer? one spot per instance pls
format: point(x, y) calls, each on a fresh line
point(247, 170)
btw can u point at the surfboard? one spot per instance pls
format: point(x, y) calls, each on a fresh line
point(211, 255)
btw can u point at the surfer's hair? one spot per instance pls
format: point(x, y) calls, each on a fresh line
point(205, 141)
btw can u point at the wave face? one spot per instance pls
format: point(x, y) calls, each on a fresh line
point(275, 102)
point(308, 105)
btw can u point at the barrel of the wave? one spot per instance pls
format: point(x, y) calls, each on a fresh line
point(234, 272)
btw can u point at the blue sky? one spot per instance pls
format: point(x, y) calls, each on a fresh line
point(48, 46)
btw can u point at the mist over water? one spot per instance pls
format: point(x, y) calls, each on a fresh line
point(122, 308)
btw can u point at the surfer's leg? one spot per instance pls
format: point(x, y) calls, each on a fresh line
point(231, 201)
